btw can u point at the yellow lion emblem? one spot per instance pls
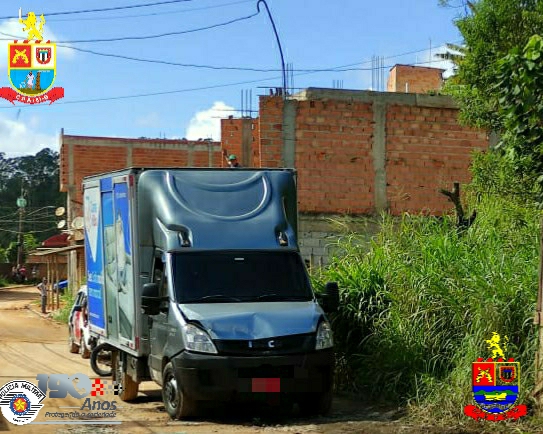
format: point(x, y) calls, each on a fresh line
point(494, 345)
point(31, 26)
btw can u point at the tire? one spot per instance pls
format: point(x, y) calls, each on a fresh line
point(129, 388)
point(176, 403)
point(96, 360)
point(312, 404)
point(84, 350)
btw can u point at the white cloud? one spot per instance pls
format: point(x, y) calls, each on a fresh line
point(20, 137)
point(206, 124)
point(150, 120)
point(12, 29)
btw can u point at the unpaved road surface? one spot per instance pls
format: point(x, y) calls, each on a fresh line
point(32, 343)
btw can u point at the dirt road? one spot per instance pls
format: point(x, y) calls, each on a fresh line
point(32, 344)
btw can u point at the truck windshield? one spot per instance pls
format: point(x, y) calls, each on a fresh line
point(232, 277)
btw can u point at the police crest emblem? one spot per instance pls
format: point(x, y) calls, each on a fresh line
point(495, 385)
point(32, 66)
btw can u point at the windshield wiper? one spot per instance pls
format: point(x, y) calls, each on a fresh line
point(279, 297)
point(210, 298)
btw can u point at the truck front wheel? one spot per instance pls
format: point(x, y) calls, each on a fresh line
point(176, 403)
point(312, 404)
point(128, 388)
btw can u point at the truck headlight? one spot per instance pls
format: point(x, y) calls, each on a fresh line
point(324, 336)
point(198, 340)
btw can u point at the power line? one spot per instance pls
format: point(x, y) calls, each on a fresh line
point(137, 38)
point(152, 13)
point(344, 68)
point(116, 8)
point(121, 97)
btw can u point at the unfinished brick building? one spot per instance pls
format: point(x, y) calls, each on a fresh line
point(356, 153)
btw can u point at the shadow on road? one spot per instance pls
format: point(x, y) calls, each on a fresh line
point(273, 413)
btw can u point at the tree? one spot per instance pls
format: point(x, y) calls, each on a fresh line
point(520, 105)
point(38, 177)
point(490, 29)
point(491, 92)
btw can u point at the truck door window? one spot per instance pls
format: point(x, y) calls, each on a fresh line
point(159, 277)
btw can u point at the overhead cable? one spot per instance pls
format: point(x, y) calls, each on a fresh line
point(114, 8)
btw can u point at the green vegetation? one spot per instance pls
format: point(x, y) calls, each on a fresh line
point(419, 301)
point(499, 75)
point(3, 282)
point(38, 177)
point(66, 302)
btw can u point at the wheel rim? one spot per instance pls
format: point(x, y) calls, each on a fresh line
point(171, 392)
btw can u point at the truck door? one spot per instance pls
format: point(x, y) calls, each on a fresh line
point(159, 323)
point(118, 259)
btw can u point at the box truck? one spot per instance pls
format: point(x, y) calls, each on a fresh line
point(196, 282)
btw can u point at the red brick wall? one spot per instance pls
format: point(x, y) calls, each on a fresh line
point(92, 155)
point(270, 126)
point(419, 79)
point(333, 156)
point(231, 139)
point(427, 149)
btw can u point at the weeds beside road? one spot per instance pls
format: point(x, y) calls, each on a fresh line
point(419, 301)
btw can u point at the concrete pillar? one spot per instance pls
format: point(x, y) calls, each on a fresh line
point(246, 142)
point(379, 155)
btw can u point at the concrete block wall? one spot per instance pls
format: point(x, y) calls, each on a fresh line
point(319, 234)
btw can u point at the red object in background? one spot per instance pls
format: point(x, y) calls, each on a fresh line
point(268, 385)
point(59, 240)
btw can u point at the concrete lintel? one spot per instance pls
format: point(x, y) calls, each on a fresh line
point(129, 159)
point(410, 99)
point(140, 143)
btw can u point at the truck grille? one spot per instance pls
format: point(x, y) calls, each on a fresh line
point(269, 346)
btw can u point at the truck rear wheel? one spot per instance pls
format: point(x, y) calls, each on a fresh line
point(176, 403)
point(128, 388)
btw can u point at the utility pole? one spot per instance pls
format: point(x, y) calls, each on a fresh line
point(21, 203)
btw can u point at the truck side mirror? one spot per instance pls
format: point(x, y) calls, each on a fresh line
point(150, 301)
point(330, 297)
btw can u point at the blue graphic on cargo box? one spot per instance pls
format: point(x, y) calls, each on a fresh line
point(94, 257)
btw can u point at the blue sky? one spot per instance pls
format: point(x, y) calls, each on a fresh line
point(315, 34)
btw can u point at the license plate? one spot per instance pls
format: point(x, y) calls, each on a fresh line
point(266, 385)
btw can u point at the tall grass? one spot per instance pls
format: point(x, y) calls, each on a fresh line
point(418, 302)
